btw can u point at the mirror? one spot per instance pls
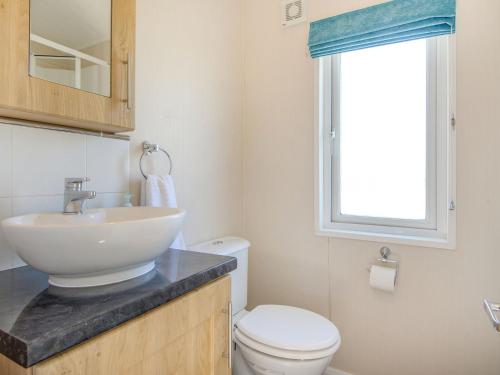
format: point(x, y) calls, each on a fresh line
point(70, 43)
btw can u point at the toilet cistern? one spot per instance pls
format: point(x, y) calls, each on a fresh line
point(74, 195)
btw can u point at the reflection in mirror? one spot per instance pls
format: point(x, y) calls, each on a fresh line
point(70, 43)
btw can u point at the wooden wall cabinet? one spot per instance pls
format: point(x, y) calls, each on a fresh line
point(188, 336)
point(26, 97)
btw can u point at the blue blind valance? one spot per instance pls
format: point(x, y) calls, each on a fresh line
point(391, 22)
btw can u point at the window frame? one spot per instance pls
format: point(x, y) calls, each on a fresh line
point(438, 229)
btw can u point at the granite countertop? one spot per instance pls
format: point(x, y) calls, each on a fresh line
point(38, 320)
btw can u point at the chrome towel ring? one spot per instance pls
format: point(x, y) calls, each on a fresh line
point(148, 149)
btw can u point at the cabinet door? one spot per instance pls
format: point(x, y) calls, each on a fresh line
point(8, 367)
point(123, 64)
point(68, 106)
point(222, 343)
point(29, 97)
point(188, 336)
point(14, 60)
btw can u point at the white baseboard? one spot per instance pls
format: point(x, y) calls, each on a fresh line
point(334, 371)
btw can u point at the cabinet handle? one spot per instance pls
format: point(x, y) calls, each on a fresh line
point(128, 62)
point(229, 354)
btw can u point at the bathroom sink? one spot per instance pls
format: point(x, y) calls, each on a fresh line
point(99, 247)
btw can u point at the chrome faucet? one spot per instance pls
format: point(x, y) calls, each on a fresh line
point(74, 196)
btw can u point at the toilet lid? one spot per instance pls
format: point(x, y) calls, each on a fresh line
point(289, 328)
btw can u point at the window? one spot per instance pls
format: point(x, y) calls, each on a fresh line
point(385, 144)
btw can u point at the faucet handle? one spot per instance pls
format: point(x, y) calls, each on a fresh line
point(75, 182)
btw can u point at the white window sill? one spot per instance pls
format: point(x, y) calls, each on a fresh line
point(438, 243)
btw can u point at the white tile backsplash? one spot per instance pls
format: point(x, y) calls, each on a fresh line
point(42, 159)
point(107, 164)
point(34, 163)
point(8, 257)
point(44, 203)
point(5, 161)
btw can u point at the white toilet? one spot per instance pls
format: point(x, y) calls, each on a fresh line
point(272, 339)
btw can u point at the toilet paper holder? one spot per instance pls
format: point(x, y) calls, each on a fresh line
point(384, 272)
point(384, 258)
point(385, 253)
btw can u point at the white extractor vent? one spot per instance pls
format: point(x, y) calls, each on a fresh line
point(293, 12)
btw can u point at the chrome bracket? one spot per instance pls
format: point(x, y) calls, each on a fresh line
point(491, 309)
point(148, 149)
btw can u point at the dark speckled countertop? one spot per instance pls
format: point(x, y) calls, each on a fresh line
point(38, 320)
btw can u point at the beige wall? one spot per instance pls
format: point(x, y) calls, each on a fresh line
point(188, 99)
point(434, 323)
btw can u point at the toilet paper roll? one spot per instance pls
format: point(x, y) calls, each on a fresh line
point(383, 278)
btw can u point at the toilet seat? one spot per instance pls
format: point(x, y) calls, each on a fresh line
point(287, 332)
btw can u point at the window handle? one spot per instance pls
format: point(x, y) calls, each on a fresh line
point(332, 141)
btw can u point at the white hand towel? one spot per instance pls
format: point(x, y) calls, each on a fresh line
point(159, 191)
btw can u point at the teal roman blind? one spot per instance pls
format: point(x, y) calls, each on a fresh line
point(391, 22)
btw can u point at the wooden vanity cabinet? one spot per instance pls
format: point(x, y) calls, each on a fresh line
point(25, 97)
point(188, 336)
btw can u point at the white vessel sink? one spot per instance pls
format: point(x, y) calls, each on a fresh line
point(100, 247)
